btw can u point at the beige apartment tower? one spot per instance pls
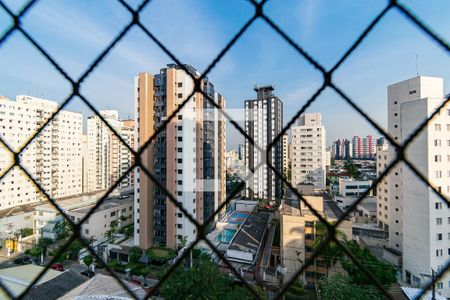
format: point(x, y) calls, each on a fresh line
point(187, 157)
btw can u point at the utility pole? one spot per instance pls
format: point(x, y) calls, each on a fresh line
point(432, 277)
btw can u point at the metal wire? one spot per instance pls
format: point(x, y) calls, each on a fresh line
point(201, 228)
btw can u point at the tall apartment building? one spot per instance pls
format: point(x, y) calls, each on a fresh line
point(342, 149)
point(383, 210)
point(363, 147)
point(263, 122)
point(187, 157)
point(108, 157)
point(85, 159)
point(308, 151)
point(419, 221)
point(286, 154)
point(127, 158)
point(240, 152)
point(53, 158)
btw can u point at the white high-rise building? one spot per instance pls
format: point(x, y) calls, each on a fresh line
point(85, 157)
point(419, 221)
point(53, 158)
point(308, 151)
point(383, 210)
point(108, 157)
point(286, 154)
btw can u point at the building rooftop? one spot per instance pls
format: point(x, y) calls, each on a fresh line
point(369, 205)
point(56, 287)
point(264, 87)
point(71, 202)
point(16, 210)
point(17, 279)
point(291, 207)
point(107, 204)
point(332, 211)
point(104, 287)
point(249, 237)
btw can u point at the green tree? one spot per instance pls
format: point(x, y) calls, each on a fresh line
point(112, 229)
point(88, 260)
point(332, 252)
point(351, 169)
point(135, 253)
point(204, 281)
point(24, 232)
point(384, 272)
point(340, 287)
point(63, 230)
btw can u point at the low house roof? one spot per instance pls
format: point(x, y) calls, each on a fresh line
point(56, 287)
point(250, 235)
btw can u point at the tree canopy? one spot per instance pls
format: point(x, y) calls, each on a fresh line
point(339, 286)
point(384, 272)
point(204, 281)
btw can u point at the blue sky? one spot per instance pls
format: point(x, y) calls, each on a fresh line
point(74, 32)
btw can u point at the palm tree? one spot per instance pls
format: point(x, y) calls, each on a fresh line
point(332, 252)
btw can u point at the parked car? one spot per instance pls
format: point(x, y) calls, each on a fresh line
point(57, 267)
point(87, 273)
point(136, 282)
point(23, 260)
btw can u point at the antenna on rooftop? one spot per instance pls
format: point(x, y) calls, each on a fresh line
point(417, 64)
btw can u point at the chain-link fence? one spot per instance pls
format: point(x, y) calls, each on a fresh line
point(17, 28)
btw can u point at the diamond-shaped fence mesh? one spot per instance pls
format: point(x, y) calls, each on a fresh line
point(17, 28)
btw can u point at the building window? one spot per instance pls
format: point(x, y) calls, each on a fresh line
point(439, 252)
point(438, 221)
point(180, 84)
point(438, 205)
point(437, 127)
point(86, 231)
point(180, 96)
point(439, 236)
point(309, 224)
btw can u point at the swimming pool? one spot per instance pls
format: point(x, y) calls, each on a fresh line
point(226, 235)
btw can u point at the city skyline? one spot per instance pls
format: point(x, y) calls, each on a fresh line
point(141, 173)
point(109, 88)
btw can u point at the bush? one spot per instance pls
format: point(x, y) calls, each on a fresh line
point(196, 253)
point(112, 263)
point(296, 288)
point(134, 253)
point(35, 251)
point(88, 260)
point(160, 255)
point(24, 232)
point(384, 272)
